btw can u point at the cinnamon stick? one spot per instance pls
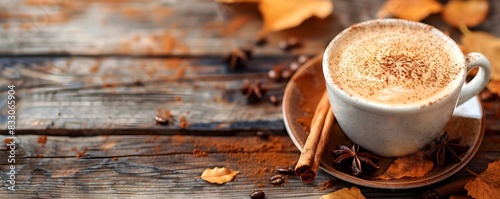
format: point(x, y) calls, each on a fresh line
point(310, 158)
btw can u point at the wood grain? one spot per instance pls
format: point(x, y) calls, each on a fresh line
point(160, 166)
point(90, 68)
point(95, 96)
point(154, 27)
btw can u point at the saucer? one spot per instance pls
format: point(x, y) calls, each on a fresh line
point(467, 122)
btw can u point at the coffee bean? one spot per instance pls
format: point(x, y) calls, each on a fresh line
point(275, 73)
point(257, 194)
point(283, 45)
point(286, 171)
point(302, 59)
point(248, 52)
point(274, 100)
point(286, 74)
point(485, 95)
point(276, 179)
point(290, 43)
point(293, 41)
point(138, 83)
point(261, 41)
point(163, 116)
point(294, 66)
point(263, 135)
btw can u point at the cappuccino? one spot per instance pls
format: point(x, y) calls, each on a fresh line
point(395, 64)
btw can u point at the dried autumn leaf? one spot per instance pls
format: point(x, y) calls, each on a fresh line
point(470, 13)
point(413, 10)
point(218, 175)
point(283, 14)
point(413, 165)
point(345, 193)
point(486, 44)
point(487, 184)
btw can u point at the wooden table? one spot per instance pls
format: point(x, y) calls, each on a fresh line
point(89, 75)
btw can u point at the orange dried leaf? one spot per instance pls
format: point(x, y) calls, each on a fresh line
point(218, 175)
point(486, 44)
point(487, 184)
point(282, 14)
point(470, 13)
point(414, 10)
point(413, 165)
point(345, 193)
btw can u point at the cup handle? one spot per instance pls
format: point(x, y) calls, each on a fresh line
point(479, 81)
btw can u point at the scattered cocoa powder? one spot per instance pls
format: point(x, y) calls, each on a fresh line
point(115, 158)
point(178, 98)
point(42, 140)
point(183, 123)
point(199, 153)
point(6, 26)
point(156, 150)
point(73, 148)
point(160, 43)
point(258, 158)
point(305, 121)
point(26, 26)
point(329, 184)
point(81, 153)
point(173, 63)
point(177, 139)
point(95, 67)
point(179, 73)
point(255, 158)
point(167, 43)
point(235, 24)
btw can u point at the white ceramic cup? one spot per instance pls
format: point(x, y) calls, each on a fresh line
point(393, 131)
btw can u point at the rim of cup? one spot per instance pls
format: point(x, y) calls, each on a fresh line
point(437, 102)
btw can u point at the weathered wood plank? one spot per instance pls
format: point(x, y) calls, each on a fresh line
point(98, 96)
point(196, 27)
point(160, 166)
point(155, 27)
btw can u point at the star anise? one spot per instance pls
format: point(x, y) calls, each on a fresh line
point(237, 58)
point(252, 91)
point(443, 149)
point(360, 161)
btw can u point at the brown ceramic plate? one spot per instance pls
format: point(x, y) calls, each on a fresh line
point(467, 122)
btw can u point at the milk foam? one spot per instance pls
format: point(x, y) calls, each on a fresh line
point(394, 64)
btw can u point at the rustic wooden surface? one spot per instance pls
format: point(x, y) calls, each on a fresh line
point(99, 69)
